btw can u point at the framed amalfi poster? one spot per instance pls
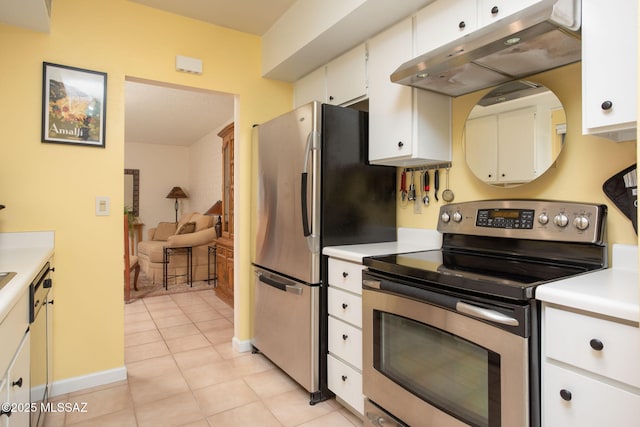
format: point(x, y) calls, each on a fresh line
point(73, 105)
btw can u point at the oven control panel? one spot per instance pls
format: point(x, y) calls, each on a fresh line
point(525, 219)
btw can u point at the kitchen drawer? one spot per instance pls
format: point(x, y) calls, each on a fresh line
point(346, 275)
point(346, 383)
point(345, 341)
point(568, 338)
point(346, 306)
point(593, 403)
point(12, 329)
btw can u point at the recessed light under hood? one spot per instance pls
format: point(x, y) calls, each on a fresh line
point(517, 46)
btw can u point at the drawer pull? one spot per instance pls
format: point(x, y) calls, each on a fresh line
point(565, 394)
point(596, 344)
point(344, 378)
point(344, 305)
point(345, 337)
point(17, 383)
point(345, 274)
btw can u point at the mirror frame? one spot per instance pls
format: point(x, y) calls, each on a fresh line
point(135, 190)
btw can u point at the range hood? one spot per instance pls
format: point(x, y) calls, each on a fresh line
point(539, 38)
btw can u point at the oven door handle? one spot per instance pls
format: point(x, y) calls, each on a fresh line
point(486, 314)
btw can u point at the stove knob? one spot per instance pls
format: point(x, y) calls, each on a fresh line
point(561, 220)
point(445, 217)
point(457, 216)
point(581, 222)
point(543, 219)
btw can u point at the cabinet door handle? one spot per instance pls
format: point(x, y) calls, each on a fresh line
point(345, 274)
point(344, 378)
point(344, 306)
point(462, 25)
point(565, 394)
point(400, 144)
point(345, 337)
point(495, 10)
point(606, 105)
point(596, 344)
point(7, 413)
point(17, 383)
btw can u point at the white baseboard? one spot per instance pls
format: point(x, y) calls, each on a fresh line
point(94, 379)
point(241, 346)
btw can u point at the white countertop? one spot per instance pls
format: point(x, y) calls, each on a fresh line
point(409, 240)
point(25, 254)
point(610, 292)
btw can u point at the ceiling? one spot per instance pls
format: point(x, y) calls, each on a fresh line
point(157, 113)
point(249, 16)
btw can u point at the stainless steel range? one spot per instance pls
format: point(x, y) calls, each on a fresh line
point(451, 336)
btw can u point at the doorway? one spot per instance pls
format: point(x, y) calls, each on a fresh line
point(171, 139)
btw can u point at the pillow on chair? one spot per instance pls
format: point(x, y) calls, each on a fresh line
point(164, 230)
point(187, 228)
point(201, 221)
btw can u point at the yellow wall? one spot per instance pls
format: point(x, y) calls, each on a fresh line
point(53, 187)
point(584, 164)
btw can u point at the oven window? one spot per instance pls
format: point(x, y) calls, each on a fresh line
point(451, 373)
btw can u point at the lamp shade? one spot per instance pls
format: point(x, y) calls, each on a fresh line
point(216, 209)
point(176, 193)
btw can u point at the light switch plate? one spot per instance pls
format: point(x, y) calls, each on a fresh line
point(103, 206)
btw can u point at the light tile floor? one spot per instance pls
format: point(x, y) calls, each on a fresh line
point(183, 371)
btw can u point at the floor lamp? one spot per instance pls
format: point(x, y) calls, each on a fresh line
point(176, 193)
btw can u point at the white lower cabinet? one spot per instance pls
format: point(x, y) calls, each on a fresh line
point(18, 385)
point(14, 365)
point(344, 362)
point(590, 370)
point(574, 399)
point(345, 382)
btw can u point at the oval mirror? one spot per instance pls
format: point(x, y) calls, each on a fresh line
point(514, 133)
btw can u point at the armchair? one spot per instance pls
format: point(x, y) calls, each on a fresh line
point(193, 229)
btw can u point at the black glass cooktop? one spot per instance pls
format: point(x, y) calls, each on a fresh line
point(486, 274)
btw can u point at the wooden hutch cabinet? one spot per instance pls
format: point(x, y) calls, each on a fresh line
point(224, 250)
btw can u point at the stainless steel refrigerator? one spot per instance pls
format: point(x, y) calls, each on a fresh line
point(315, 190)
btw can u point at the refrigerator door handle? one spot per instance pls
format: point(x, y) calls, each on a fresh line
point(303, 204)
point(285, 287)
point(303, 187)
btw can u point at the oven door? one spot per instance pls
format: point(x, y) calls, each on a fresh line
point(432, 366)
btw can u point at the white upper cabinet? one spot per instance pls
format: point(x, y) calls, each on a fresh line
point(609, 68)
point(311, 87)
point(444, 21)
point(340, 82)
point(389, 102)
point(490, 11)
point(406, 126)
point(347, 77)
